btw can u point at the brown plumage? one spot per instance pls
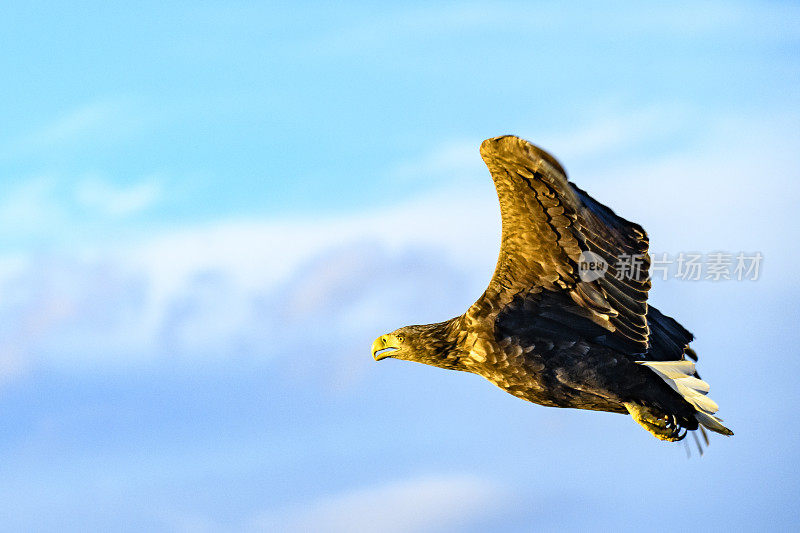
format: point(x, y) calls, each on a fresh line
point(547, 333)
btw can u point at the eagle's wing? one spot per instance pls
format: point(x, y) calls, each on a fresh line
point(547, 223)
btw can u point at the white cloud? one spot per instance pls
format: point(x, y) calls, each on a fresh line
point(98, 121)
point(607, 134)
point(682, 20)
point(49, 207)
point(30, 206)
point(118, 201)
point(459, 160)
point(242, 286)
point(434, 503)
point(217, 290)
point(448, 161)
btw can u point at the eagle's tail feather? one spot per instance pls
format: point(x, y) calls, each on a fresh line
point(681, 376)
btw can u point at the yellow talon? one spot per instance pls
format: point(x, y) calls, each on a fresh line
point(658, 426)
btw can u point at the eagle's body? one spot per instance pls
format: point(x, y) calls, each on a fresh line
point(546, 333)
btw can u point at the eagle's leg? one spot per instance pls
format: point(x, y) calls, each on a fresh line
point(661, 426)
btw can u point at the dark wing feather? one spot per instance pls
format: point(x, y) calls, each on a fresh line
point(547, 223)
point(669, 341)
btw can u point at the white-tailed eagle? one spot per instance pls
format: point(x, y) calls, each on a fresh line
point(544, 332)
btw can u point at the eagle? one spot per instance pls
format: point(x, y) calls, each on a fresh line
point(564, 322)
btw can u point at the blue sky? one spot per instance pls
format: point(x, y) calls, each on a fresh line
point(209, 210)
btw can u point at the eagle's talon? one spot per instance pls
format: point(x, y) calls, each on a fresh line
point(661, 427)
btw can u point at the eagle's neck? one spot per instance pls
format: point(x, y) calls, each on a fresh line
point(438, 344)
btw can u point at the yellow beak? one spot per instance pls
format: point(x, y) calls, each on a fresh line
point(383, 347)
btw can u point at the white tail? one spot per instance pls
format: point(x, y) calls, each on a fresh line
point(680, 376)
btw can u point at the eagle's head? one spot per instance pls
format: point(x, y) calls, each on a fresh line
point(431, 344)
point(398, 344)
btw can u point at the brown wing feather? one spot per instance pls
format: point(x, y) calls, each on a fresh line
point(547, 223)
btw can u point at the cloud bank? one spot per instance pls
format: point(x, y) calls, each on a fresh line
point(432, 503)
point(254, 287)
